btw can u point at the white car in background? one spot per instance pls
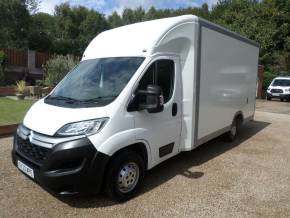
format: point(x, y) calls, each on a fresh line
point(279, 88)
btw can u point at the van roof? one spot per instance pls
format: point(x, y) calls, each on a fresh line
point(133, 40)
point(140, 39)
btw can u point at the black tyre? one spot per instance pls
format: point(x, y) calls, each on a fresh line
point(268, 98)
point(231, 135)
point(124, 175)
point(282, 99)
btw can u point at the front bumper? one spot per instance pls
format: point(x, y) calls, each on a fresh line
point(69, 167)
point(278, 95)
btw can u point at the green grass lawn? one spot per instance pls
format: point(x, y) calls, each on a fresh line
point(13, 111)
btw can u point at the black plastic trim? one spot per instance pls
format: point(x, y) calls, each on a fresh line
point(285, 96)
point(166, 149)
point(174, 109)
point(71, 167)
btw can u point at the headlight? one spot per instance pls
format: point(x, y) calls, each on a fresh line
point(88, 127)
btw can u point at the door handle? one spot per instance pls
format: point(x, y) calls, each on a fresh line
point(174, 109)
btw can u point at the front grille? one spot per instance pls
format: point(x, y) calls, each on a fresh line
point(276, 90)
point(35, 153)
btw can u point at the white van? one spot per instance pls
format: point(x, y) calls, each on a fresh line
point(279, 88)
point(141, 94)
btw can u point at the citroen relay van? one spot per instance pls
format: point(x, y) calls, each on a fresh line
point(279, 88)
point(141, 94)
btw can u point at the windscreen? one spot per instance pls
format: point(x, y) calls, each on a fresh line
point(96, 80)
point(281, 82)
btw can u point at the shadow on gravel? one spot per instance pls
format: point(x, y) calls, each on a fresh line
point(178, 165)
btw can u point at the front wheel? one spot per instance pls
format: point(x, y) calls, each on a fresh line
point(268, 98)
point(281, 99)
point(124, 175)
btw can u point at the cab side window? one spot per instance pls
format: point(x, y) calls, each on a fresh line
point(160, 73)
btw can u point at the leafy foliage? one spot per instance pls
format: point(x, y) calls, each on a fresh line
point(39, 82)
point(115, 20)
point(56, 68)
point(14, 24)
point(20, 87)
point(75, 27)
point(32, 5)
point(268, 77)
point(3, 64)
point(41, 35)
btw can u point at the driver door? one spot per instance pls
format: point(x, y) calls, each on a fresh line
point(161, 130)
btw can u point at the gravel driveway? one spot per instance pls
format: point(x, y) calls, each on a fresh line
point(247, 178)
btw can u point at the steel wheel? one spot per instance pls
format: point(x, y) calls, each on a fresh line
point(124, 175)
point(234, 130)
point(128, 177)
point(232, 133)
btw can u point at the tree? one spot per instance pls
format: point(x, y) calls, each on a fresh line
point(115, 20)
point(75, 27)
point(128, 16)
point(139, 14)
point(3, 63)
point(41, 34)
point(94, 24)
point(151, 13)
point(14, 24)
point(32, 5)
point(57, 67)
point(279, 13)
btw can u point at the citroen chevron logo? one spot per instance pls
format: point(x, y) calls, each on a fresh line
point(30, 136)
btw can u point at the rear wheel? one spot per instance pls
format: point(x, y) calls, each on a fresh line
point(231, 135)
point(124, 176)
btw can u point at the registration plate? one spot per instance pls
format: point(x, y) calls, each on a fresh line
point(275, 94)
point(24, 168)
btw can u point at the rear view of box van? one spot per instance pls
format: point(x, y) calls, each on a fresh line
point(141, 94)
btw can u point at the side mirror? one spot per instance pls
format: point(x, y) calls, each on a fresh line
point(150, 99)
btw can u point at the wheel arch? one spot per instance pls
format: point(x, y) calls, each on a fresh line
point(239, 118)
point(139, 148)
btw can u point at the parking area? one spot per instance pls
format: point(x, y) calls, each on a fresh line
point(273, 106)
point(247, 178)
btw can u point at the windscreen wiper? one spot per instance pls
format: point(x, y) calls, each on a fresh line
point(67, 99)
point(97, 99)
